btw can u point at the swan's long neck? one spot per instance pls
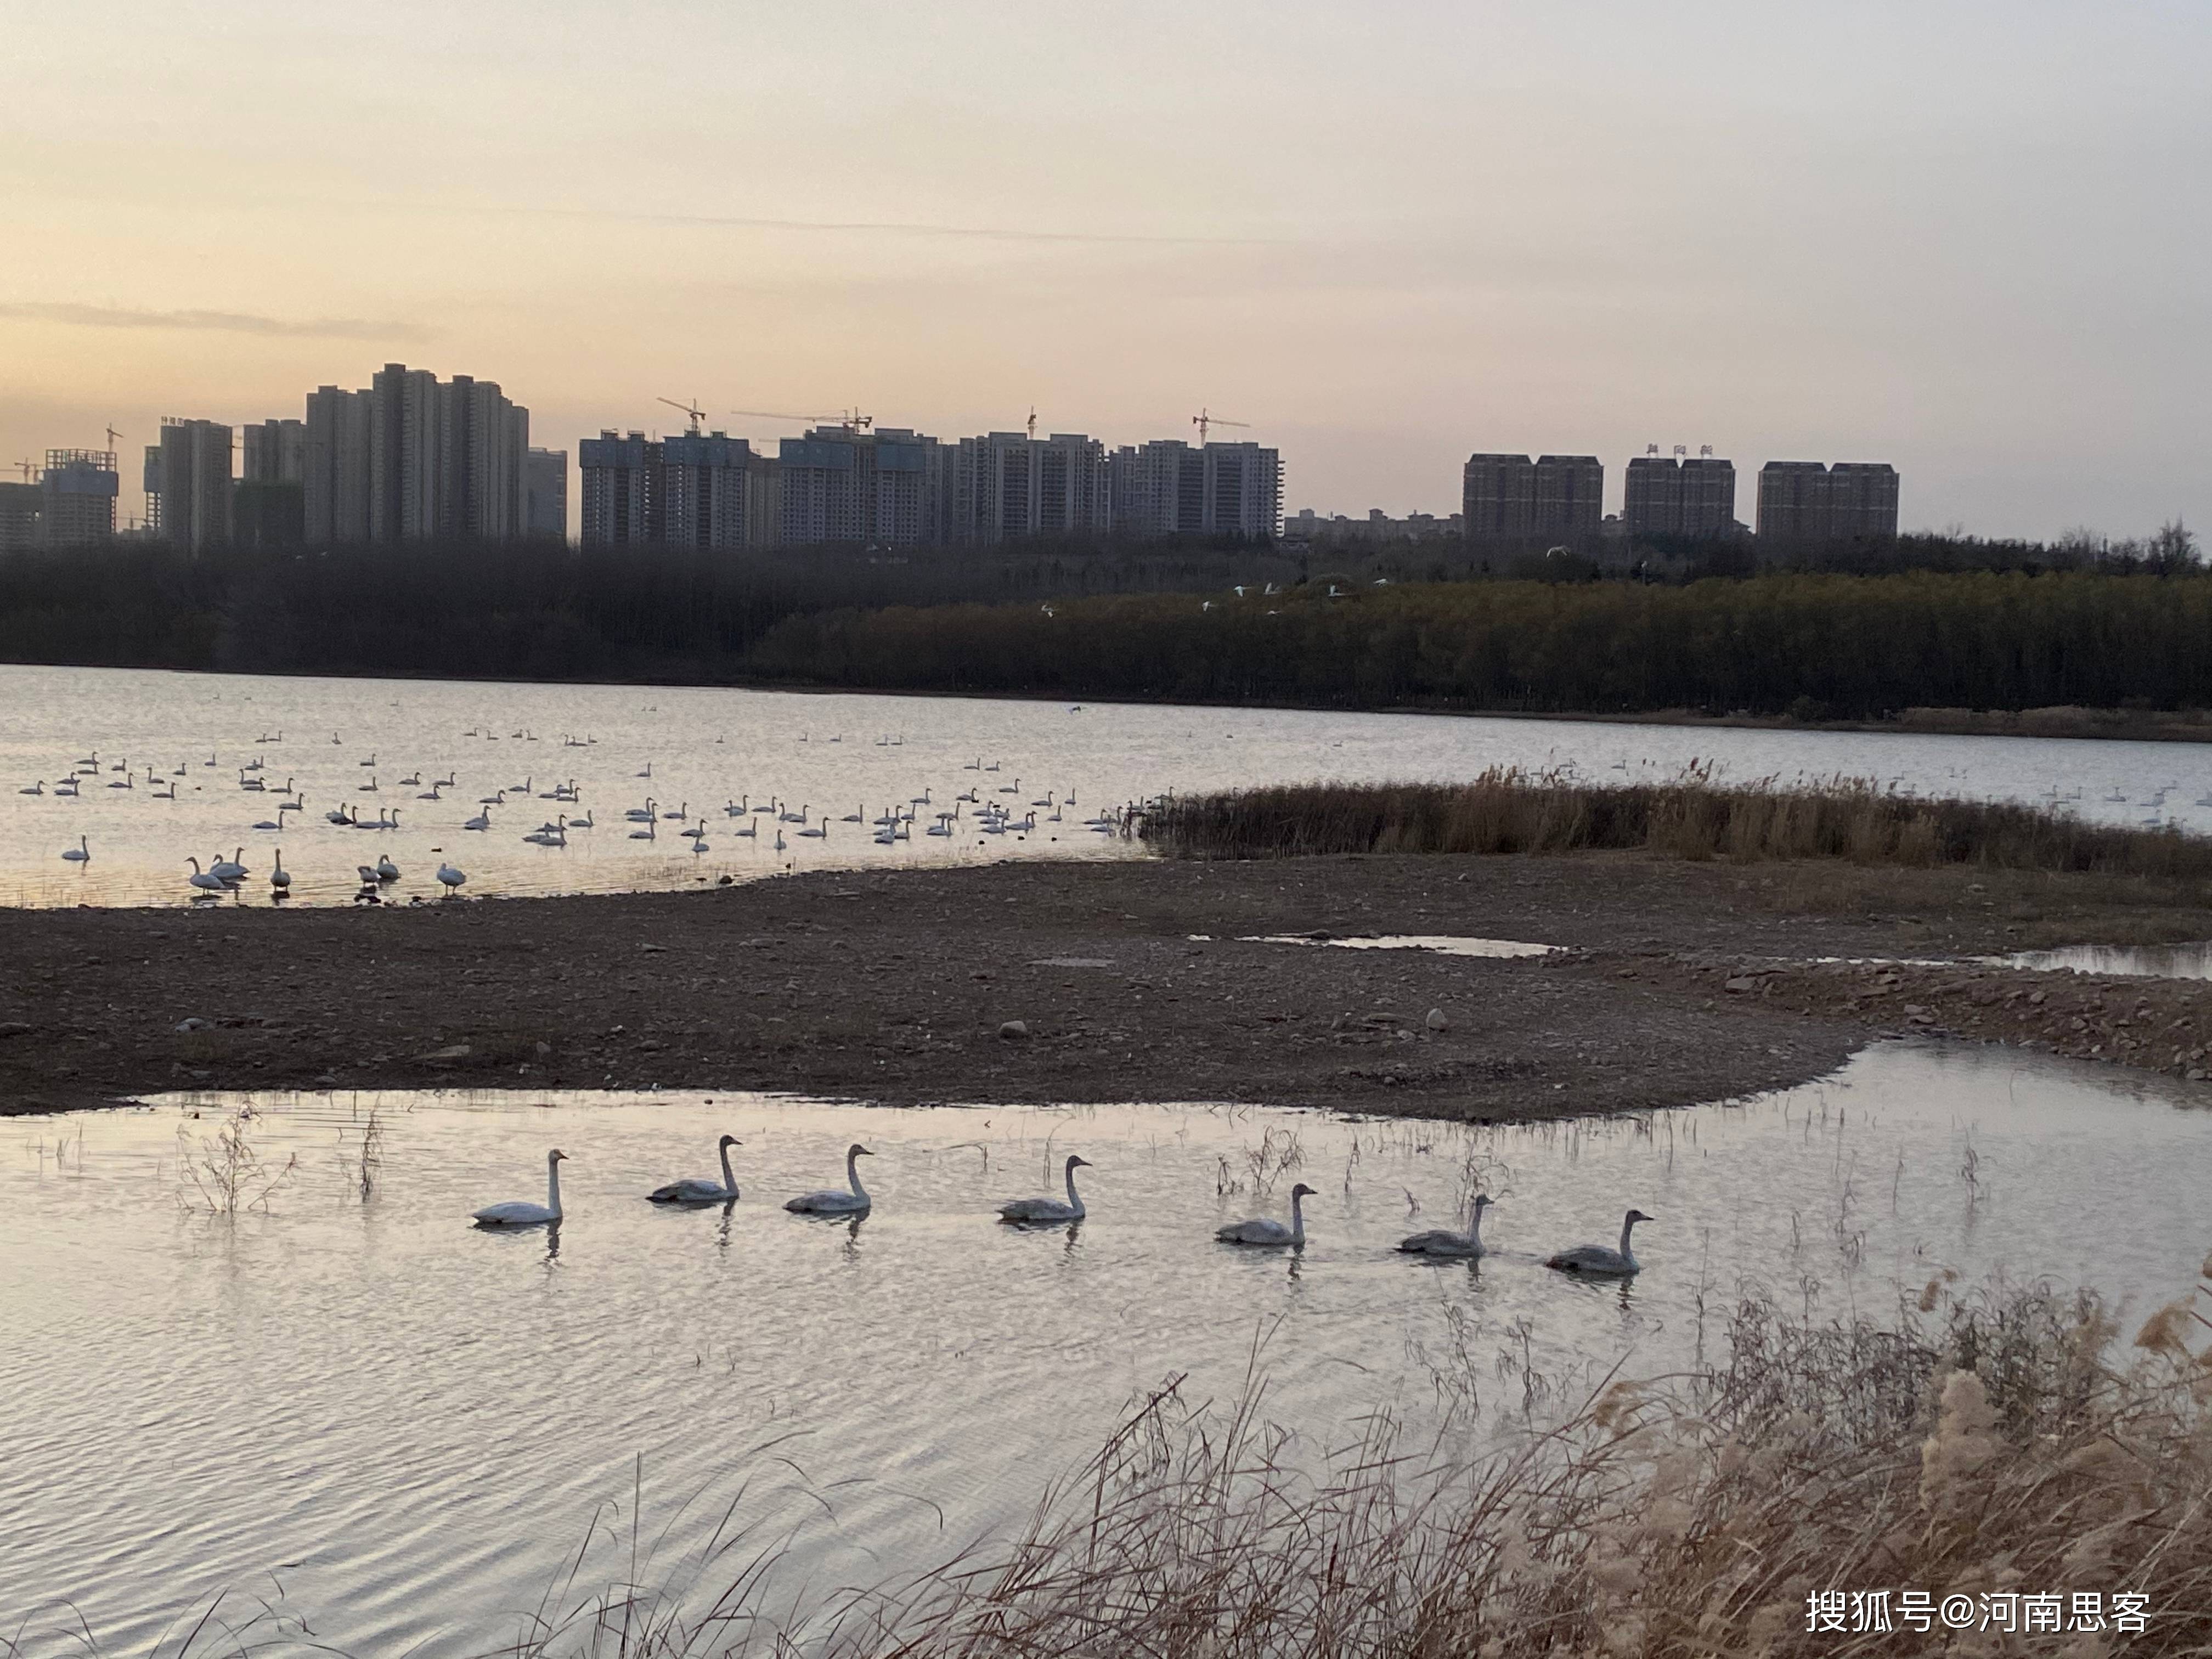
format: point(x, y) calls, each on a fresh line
point(729, 1180)
point(1627, 1227)
point(1297, 1218)
point(853, 1175)
point(1073, 1202)
point(553, 1185)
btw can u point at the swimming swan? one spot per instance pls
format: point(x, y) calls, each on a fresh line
point(1596, 1259)
point(694, 1190)
point(516, 1213)
point(1049, 1209)
point(1443, 1240)
point(851, 1201)
point(1264, 1230)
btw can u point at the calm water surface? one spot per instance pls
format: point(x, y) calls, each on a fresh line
point(830, 755)
point(409, 1430)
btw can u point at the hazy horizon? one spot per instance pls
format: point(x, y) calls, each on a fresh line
point(1945, 236)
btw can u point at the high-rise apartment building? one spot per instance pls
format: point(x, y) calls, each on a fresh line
point(273, 453)
point(412, 458)
point(1673, 496)
point(704, 478)
point(188, 486)
point(19, 516)
point(1510, 497)
point(1569, 496)
point(1811, 501)
point(622, 486)
point(885, 488)
point(77, 497)
point(1166, 488)
point(337, 469)
point(545, 513)
point(1006, 485)
point(1497, 497)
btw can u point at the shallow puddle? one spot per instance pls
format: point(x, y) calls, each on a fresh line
point(412, 1428)
point(1448, 945)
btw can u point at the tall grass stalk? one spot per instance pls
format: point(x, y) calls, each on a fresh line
point(1506, 809)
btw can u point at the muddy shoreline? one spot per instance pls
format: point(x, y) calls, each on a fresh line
point(1038, 982)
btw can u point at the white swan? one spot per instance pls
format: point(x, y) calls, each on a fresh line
point(694, 1190)
point(1265, 1229)
point(481, 821)
point(385, 869)
point(1442, 1240)
point(1596, 1259)
point(450, 878)
point(201, 879)
point(80, 853)
point(1049, 1209)
point(517, 1213)
point(279, 877)
point(851, 1201)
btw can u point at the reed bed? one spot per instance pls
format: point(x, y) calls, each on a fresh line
point(1506, 809)
point(2001, 1453)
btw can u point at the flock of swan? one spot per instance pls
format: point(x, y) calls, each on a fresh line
point(978, 807)
point(1597, 1261)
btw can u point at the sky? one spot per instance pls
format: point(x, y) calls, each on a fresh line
point(1967, 238)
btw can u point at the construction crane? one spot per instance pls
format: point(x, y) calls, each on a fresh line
point(851, 420)
point(1205, 422)
point(112, 434)
point(692, 411)
point(28, 468)
point(1032, 423)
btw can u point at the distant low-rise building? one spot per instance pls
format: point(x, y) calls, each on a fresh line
point(1327, 529)
point(1811, 501)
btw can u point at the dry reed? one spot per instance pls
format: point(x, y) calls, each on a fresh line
point(2000, 1448)
point(1509, 811)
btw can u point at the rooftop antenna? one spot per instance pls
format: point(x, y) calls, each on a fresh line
point(692, 412)
point(1205, 420)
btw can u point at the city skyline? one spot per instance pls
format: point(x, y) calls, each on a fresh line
point(1586, 229)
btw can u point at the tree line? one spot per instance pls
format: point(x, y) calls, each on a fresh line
point(1147, 622)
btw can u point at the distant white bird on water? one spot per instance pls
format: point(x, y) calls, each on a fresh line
point(279, 877)
point(80, 853)
point(853, 1199)
point(450, 878)
point(517, 1213)
point(1023, 1209)
point(385, 869)
point(1596, 1259)
point(1442, 1240)
point(204, 882)
point(697, 1190)
point(1265, 1229)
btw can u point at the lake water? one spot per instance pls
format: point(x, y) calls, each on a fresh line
point(413, 1433)
point(829, 755)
